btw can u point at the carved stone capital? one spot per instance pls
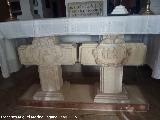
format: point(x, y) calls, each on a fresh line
point(43, 51)
point(46, 51)
point(110, 54)
point(113, 39)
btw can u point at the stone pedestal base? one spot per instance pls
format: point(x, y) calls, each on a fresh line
point(111, 98)
point(101, 97)
point(48, 96)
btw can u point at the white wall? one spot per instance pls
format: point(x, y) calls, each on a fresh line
point(155, 6)
point(26, 9)
point(39, 8)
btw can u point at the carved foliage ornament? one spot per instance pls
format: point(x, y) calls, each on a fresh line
point(110, 54)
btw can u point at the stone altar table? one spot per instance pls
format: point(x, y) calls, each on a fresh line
point(111, 54)
point(87, 26)
point(49, 56)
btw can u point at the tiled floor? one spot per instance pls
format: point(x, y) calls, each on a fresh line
point(12, 88)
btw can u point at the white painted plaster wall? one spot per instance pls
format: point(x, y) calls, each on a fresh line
point(155, 6)
point(27, 10)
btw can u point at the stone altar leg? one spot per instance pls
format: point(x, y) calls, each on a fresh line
point(110, 85)
point(51, 83)
point(49, 56)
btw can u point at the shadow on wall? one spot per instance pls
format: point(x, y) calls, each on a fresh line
point(4, 12)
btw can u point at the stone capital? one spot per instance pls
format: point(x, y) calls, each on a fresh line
point(46, 51)
point(110, 54)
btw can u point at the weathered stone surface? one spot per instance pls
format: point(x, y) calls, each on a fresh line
point(111, 55)
point(50, 78)
point(46, 51)
point(49, 56)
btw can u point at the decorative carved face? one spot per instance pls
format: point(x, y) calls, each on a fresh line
point(43, 51)
point(50, 55)
point(110, 54)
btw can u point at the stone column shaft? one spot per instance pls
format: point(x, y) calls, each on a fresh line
point(50, 78)
point(111, 79)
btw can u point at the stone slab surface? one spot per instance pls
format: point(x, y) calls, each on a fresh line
point(79, 97)
point(87, 26)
